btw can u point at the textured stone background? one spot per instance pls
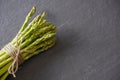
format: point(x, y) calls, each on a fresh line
point(88, 46)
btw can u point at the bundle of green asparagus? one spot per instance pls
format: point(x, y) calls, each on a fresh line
point(32, 39)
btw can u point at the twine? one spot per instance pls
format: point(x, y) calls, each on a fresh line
point(15, 53)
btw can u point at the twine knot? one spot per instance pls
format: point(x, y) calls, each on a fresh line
point(15, 53)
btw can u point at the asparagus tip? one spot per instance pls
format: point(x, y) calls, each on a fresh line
point(43, 14)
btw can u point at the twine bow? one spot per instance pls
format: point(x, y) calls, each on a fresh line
point(15, 53)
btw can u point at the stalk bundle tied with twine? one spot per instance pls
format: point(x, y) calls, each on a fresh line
point(32, 39)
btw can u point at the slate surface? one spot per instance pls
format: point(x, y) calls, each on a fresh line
point(88, 45)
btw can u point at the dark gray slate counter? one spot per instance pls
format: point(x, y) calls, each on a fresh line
point(88, 45)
